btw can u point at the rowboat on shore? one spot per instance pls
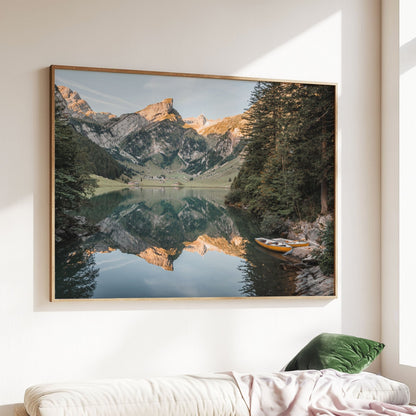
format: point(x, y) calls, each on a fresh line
point(294, 243)
point(282, 245)
point(273, 245)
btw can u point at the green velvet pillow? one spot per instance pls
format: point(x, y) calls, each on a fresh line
point(344, 353)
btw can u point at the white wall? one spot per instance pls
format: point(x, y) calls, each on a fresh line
point(323, 40)
point(398, 191)
point(407, 195)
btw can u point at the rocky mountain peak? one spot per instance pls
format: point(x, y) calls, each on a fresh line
point(157, 133)
point(75, 103)
point(157, 111)
point(232, 125)
point(201, 119)
point(79, 108)
point(197, 123)
point(61, 106)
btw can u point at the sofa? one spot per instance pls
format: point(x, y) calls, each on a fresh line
point(223, 394)
point(325, 377)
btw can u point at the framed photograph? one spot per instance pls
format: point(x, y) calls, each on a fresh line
point(167, 185)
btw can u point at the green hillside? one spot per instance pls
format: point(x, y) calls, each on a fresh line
point(222, 176)
point(100, 162)
point(107, 185)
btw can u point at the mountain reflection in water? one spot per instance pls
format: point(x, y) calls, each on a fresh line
point(167, 242)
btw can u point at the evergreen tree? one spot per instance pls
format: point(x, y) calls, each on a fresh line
point(326, 257)
point(72, 181)
point(248, 179)
point(76, 273)
point(289, 158)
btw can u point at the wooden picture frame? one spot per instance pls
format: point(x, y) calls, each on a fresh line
point(173, 186)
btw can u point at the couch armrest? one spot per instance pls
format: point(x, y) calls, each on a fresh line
point(20, 410)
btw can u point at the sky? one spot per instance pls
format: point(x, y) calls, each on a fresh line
point(120, 93)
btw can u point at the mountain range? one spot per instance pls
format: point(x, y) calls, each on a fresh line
point(157, 135)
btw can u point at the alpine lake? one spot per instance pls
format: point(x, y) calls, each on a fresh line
point(168, 243)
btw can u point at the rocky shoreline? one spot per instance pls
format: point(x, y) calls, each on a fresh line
point(310, 280)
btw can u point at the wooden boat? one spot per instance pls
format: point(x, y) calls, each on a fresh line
point(280, 244)
point(273, 245)
point(294, 243)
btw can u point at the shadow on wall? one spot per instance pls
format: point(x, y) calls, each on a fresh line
point(407, 56)
point(360, 268)
point(257, 29)
point(279, 25)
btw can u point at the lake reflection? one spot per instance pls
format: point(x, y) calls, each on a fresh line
point(166, 242)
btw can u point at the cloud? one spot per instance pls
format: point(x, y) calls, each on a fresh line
point(82, 87)
point(90, 100)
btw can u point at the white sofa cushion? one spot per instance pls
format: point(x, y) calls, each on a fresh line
point(213, 395)
point(373, 387)
point(210, 395)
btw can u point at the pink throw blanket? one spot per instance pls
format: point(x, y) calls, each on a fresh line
point(311, 392)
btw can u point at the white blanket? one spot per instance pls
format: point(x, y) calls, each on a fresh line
point(313, 392)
